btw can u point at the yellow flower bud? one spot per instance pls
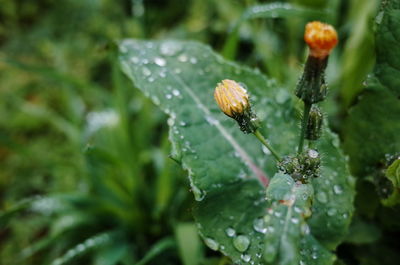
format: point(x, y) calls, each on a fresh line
point(232, 98)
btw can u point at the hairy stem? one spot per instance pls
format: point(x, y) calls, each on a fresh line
point(307, 107)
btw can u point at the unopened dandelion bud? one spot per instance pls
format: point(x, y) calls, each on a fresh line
point(321, 39)
point(314, 124)
point(233, 100)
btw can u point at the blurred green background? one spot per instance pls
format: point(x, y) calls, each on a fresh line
point(85, 176)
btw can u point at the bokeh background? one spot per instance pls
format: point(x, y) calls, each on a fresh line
point(85, 173)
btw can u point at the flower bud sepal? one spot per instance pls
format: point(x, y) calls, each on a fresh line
point(248, 121)
point(311, 87)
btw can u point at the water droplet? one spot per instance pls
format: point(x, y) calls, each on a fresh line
point(183, 58)
point(313, 153)
point(146, 71)
point(182, 123)
point(170, 122)
point(80, 247)
point(241, 243)
point(267, 218)
point(265, 150)
point(322, 197)
point(297, 209)
point(294, 220)
point(177, 71)
point(160, 61)
point(176, 92)
point(199, 194)
point(156, 100)
point(270, 249)
point(211, 243)
point(230, 232)
point(314, 255)
point(169, 48)
point(134, 59)
point(282, 96)
point(305, 229)
point(337, 189)
point(332, 212)
point(193, 60)
point(168, 96)
point(259, 225)
point(245, 257)
point(278, 214)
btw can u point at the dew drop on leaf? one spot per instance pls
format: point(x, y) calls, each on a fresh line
point(183, 58)
point(259, 225)
point(169, 48)
point(199, 195)
point(305, 229)
point(278, 214)
point(160, 61)
point(230, 232)
point(294, 220)
point(176, 92)
point(322, 197)
point(156, 100)
point(245, 257)
point(146, 71)
point(314, 255)
point(332, 212)
point(337, 189)
point(193, 60)
point(241, 243)
point(211, 243)
point(134, 60)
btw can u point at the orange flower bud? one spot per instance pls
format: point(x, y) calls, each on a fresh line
point(232, 98)
point(321, 38)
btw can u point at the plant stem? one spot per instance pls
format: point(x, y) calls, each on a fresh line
point(267, 145)
point(307, 108)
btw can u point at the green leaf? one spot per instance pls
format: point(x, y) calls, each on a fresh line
point(226, 167)
point(372, 131)
point(189, 244)
point(86, 246)
point(158, 248)
point(387, 39)
point(287, 232)
point(361, 232)
point(393, 174)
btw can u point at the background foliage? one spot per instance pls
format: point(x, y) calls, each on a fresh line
point(85, 176)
